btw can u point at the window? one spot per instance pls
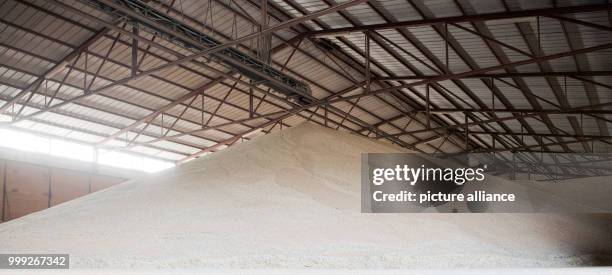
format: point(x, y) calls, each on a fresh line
point(33, 143)
point(71, 150)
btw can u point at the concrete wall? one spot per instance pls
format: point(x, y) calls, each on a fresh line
point(30, 182)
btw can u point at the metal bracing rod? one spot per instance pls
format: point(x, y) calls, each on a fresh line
point(582, 64)
point(462, 125)
point(400, 98)
point(220, 125)
point(480, 71)
point(521, 148)
point(90, 120)
point(255, 35)
point(288, 44)
point(74, 140)
point(348, 76)
point(256, 117)
point(192, 39)
point(581, 22)
point(596, 83)
point(234, 138)
point(465, 18)
point(124, 81)
point(70, 67)
point(522, 62)
point(345, 114)
point(214, 98)
point(530, 134)
point(519, 110)
point(440, 65)
point(460, 51)
point(445, 77)
point(149, 144)
point(357, 85)
point(382, 99)
point(341, 94)
point(491, 39)
point(166, 107)
point(214, 113)
point(186, 107)
point(23, 105)
point(367, 62)
point(208, 51)
point(131, 87)
point(572, 74)
point(88, 105)
point(106, 57)
point(134, 65)
point(405, 51)
point(265, 38)
point(432, 57)
point(120, 64)
point(577, 127)
point(534, 43)
point(278, 48)
point(283, 67)
point(269, 115)
point(502, 58)
point(56, 68)
point(242, 13)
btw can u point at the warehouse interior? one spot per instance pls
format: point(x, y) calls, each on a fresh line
point(182, 105)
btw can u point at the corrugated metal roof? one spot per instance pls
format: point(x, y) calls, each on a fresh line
point(36, 35)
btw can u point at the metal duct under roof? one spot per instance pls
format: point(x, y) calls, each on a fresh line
point(190, 38)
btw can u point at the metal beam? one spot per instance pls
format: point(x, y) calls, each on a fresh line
point(462, 125)
point(191, 38)
point(441, 66)
point(160, 110)
point(506, 75)
point(104, 58)
point(183, 59)
point(95, 121)
point(94, 107)
point(479, 71)
point(234, 138)
point(71, 67)
point(516, 110)
point(522, 148)
point(441, 78)
point(464, 18)
point(295, 110)
point(56, 68)
point(157, 56)
point(208, 51)
point(149, 42)
point(581, 22)
point(530, 134)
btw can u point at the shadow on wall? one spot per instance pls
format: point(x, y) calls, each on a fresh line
point(27, 188)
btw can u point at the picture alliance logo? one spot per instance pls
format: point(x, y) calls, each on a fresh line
point(412, 175)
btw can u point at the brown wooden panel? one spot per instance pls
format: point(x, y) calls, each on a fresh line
point(99, 182)
point(67, 185)
point(2, 206)
point(27, 189)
